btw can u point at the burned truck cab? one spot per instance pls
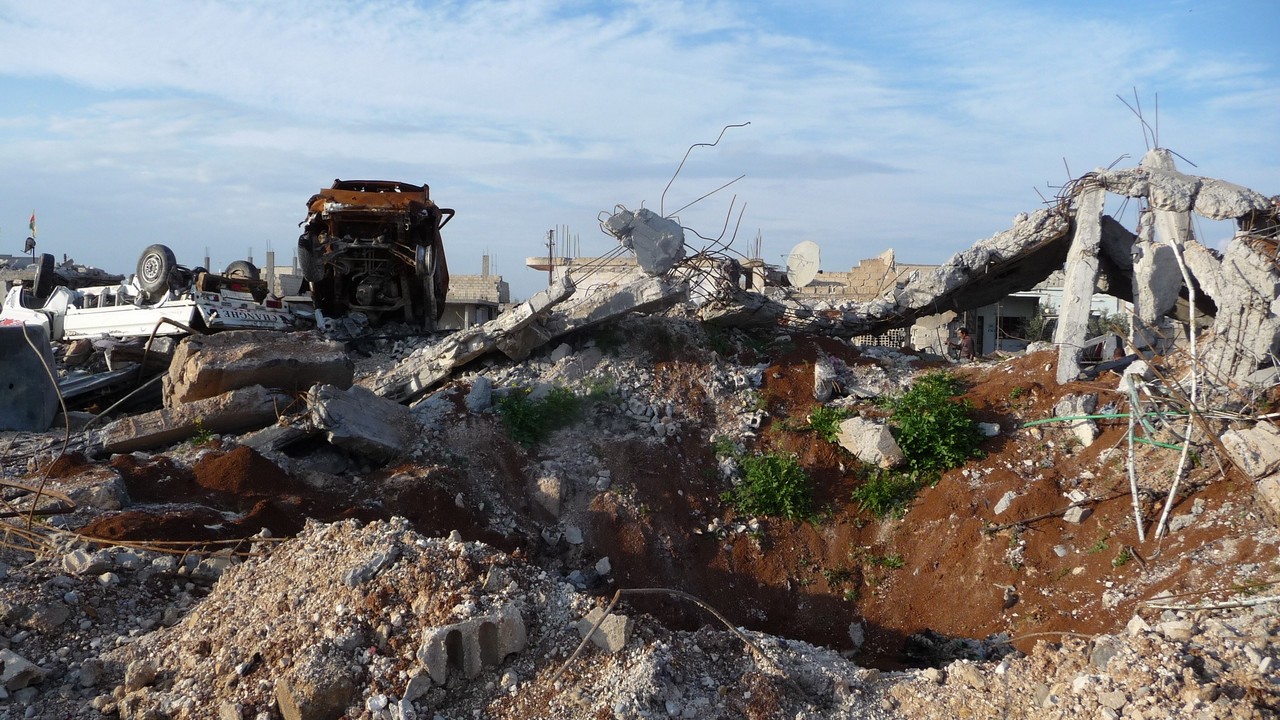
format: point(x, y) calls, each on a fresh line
point(374, 246)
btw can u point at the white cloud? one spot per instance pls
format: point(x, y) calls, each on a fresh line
point(923, 125)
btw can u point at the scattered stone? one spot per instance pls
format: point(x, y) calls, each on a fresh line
point(1077, 514)
point(17, 672)
point(613, 633)
point(1004, 502)
point(870, 442)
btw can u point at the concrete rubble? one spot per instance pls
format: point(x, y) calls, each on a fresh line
point(870, 442)
point(207, 365)
point(479, 563)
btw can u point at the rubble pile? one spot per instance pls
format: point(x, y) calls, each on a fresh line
point(1178, 665)
point(336, 523)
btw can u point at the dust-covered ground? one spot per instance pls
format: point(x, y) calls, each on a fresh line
point(311, 583)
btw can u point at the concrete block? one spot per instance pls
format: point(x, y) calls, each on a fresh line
point(204, 366)
point(28, 398)
point(1256, 450)
point(870, 442)
point(658, 242)
point(467, 647)
point(358, 420)
point(613, 633)
point(233, 412)
point(18, 672)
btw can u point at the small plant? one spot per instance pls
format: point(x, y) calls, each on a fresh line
point(609, 339)
point(1099, 545)
point(850, 595)
point(838, 576)
point(934, 428)
point(601, 389)
point(887, 493)
point(202, 434)
point(718, 340)
point(893, 561)
point(1016, 392)
point(772, 484)
point(826, 421)
point(532, 421)
point(1122, 558)
point(723, 446)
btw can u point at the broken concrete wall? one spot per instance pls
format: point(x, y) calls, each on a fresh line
point(932, 332)
point(28, 396)
point(1246, 331)
point(548, 315)
point(204, 366)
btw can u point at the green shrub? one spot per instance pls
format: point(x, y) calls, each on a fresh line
point(826, 421)
point(934, 428)
point(532, 421)
point(772, 484)
point(886, 493)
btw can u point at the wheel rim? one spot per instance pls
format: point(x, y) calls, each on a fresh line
point(151, 267)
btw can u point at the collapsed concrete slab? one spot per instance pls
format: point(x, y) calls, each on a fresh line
point(207, 365)
point(28, 396)
point(358, 420)
point(417, 374)
point(233, 412)
point(549, 315)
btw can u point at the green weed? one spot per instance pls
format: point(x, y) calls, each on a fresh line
point(202, 434)
point(826, 421)
point(532, 421)
point(772, 484)
point(934, 428)
point(887, 493)
point(1122, 558)
point(1099, 545)
point(723, 446)
point(893, 561)
point(837, 576)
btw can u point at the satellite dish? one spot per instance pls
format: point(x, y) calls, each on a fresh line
point(803, 263)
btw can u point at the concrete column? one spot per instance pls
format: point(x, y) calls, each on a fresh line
point(1172, 226)
point(270, 272)
point(1081, 279)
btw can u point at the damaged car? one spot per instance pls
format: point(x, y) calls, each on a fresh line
point(161, 298)
point(374, 247)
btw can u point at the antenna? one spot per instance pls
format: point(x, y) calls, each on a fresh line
point(803, 263)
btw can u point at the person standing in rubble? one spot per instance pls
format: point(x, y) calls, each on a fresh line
point(965, 344)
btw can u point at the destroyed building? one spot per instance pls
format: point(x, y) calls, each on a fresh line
point(542, 515)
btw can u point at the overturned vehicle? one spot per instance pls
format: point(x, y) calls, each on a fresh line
point(162, 298)
point(373, 246)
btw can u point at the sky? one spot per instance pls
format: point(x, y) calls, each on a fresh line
point(914, 125)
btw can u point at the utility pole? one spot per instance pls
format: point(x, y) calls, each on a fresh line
point(551, 256)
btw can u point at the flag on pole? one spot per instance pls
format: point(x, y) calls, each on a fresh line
point(33, 223)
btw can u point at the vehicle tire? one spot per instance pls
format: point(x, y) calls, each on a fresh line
point(424, 267)
point(42, 285)
point(311, 268)
point(155, 265)
point(242, 269)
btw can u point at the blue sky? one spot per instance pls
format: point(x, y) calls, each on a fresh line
point(921, 126)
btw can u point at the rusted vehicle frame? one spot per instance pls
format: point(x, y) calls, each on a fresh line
point(374, 246)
